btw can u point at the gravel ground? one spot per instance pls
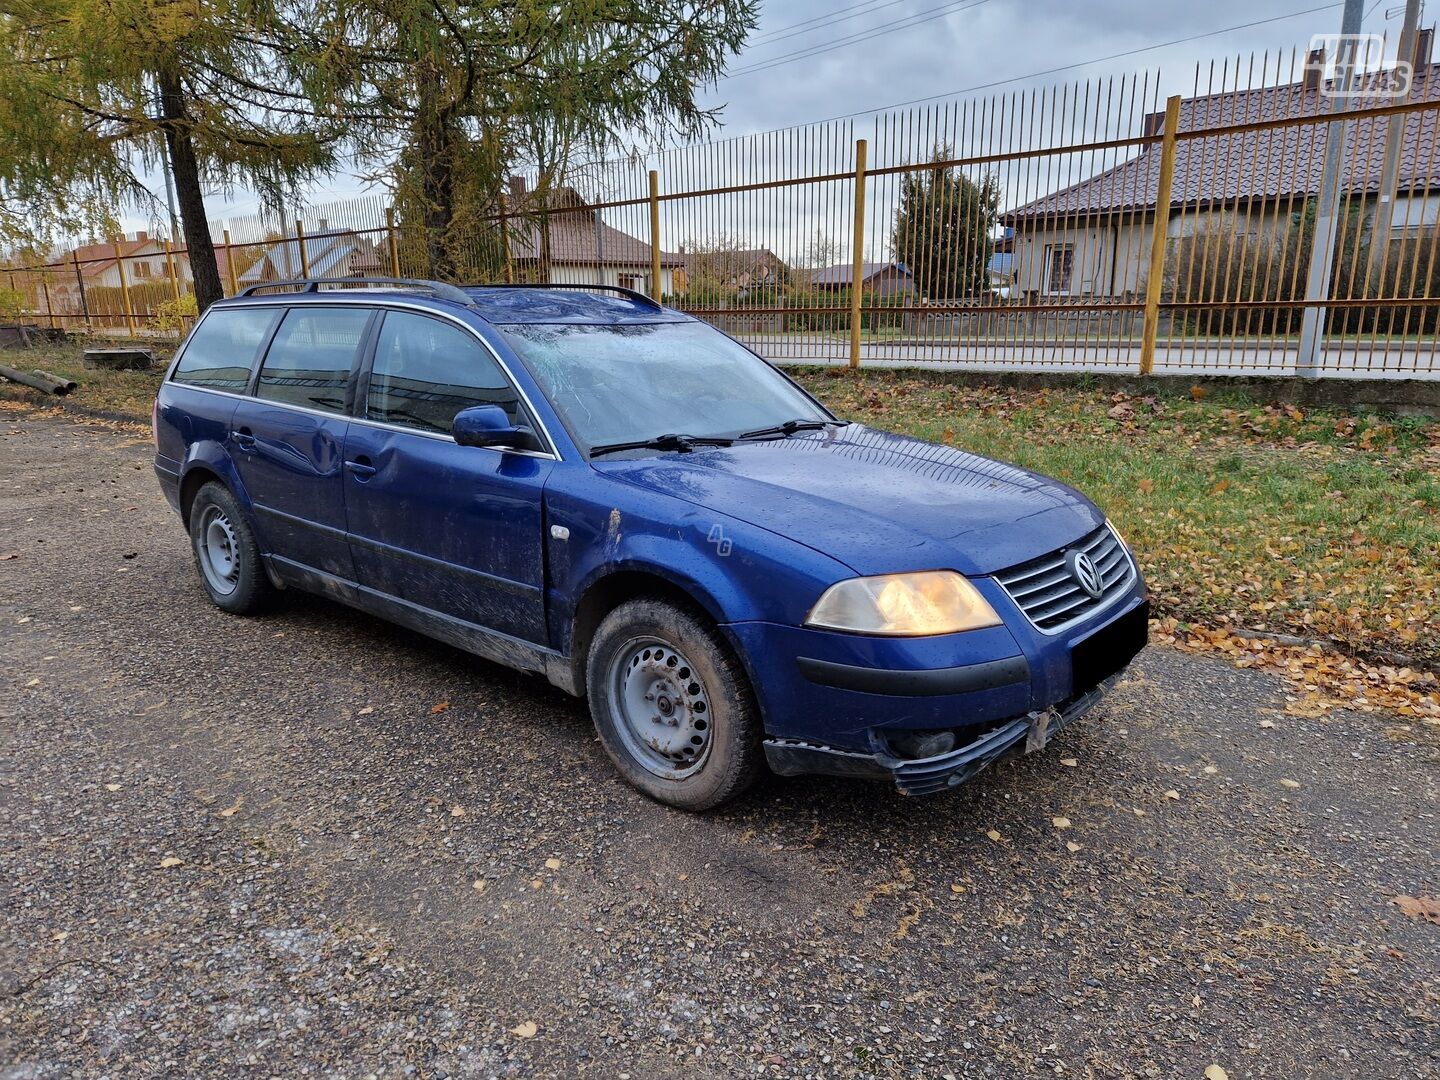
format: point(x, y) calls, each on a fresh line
point(316, 845)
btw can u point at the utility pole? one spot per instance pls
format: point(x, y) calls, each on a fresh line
point(1384, 217)
point(1327, 209)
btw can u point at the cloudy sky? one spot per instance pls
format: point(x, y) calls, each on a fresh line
point(812, 60)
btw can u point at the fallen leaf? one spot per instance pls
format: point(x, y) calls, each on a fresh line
point(993, 835)
point(366, 711)
point(1198, 393)
point(169, 861)
point(1060, 822)
point(552, 864)
point(112, 787)
point(33, 682)
point(1211, 770)
point(1419, 907)
point(478, 885)
point(1215, 1072)
point(957, 889)
point(1072, 847)
point(232, 809)
point(439, 708)
point(526, 1030)
point(60, 935)
point(457, 811)
point(537, 884)
point(1069, 762)
point(1145, 485)
point(8, 556)
point(1267, 723)
point(1172, 794)
point(1290, 783)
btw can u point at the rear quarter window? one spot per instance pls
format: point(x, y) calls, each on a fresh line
point(221, 352)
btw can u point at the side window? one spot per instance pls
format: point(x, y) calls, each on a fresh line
point(309, 361)
point(426, 371)
point(222, 350)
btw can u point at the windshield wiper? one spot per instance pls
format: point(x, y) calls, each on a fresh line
point(683, 443)
point(789, 427)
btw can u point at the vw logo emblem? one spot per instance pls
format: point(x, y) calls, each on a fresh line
point(1086, 574)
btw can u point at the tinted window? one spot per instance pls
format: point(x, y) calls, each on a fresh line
point(309, 361)
point(426, 371)
point(222, 350)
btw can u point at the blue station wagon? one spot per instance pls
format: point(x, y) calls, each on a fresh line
point(583, 484)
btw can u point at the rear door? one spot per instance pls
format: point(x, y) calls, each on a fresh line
point(455, 529)
point(288, 439)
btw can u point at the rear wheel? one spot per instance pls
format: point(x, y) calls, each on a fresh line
point(226, 553)
point(672, 706)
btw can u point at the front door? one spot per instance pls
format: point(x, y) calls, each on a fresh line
point(455, 529)
point(288, 440)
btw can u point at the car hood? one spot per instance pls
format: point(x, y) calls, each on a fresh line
point(878, 502)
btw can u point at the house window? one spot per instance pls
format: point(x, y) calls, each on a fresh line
point(1059, 267)
point(142, 269)
point(632, 281)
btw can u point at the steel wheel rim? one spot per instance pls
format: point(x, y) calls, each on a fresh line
point(661, 709)
point(219, 551)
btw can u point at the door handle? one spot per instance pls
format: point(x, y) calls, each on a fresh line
point(244, 439)
point(361, 468)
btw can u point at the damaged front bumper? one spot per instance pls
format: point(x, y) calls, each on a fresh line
point(928, 776)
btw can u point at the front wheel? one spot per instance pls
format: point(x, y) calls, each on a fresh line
point(672, 706)
point(226, 553)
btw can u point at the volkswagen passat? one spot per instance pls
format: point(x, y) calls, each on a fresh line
point(579, 483)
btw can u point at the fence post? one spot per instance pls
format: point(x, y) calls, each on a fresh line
point(230, 263)
point(1156, 279)
point(304, 252)
point(45, 290)
point(80, 284)
point(174, 277)
point(124, 291)
point(655, 290)
point(857, 277)
point(394, 243)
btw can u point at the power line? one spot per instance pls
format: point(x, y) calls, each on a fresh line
point(779, 33)
point(903, 23)
point(1051, 71)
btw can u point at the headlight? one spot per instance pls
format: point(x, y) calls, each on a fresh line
point(930, 602)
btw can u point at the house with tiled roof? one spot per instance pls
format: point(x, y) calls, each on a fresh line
point(878, 278)
point(1093, 238)
point(581, 249)
point(332, 253)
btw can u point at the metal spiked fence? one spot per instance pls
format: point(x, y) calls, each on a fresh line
point(1104, 225)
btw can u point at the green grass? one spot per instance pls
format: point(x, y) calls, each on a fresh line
point(118, 393)
point(1244, 515)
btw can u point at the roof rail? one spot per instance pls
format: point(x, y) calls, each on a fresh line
point(633, 294)
point(439, 288)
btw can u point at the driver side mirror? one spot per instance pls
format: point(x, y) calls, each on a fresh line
point(488, 425)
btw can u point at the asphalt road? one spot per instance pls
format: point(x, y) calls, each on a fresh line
point(372, 885)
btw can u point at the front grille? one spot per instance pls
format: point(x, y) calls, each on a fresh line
point(1048, 594)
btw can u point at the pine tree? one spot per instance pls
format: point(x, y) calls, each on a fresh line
point(90, 88)
point(944, 229)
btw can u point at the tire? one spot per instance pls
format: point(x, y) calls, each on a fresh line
point(700, 746)
point(226, 554)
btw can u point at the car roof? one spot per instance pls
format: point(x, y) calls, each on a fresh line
point(494, 303)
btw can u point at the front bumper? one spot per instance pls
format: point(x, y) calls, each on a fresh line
point(928, 776)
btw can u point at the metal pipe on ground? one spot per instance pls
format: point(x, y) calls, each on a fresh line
point(36, 382)
point(70, 384)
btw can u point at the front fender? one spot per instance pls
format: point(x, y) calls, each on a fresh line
point(736, 571)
